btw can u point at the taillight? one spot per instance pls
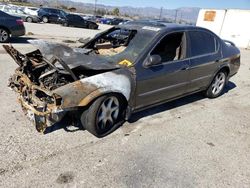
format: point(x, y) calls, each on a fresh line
point(19, 22)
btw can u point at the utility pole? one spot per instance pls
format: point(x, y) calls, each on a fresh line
point(161, 13)
point(176, 13)
point(95, 6)
point(180, 21)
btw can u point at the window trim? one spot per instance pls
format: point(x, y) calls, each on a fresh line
point(168, 62)
point(203, 55)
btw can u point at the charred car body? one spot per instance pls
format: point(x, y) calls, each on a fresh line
point(120, 71)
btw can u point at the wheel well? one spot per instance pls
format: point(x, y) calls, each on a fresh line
point(119, 95)
point(226, 70)
point(28, 18)
point(88, 100)
point(2, 27)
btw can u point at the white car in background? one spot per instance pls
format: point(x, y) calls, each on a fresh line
point(31, 10)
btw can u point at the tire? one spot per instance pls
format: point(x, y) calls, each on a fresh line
point(104, 115)
point(29, 20)
point(217, 86)
point(92, 26)
point(45, 19)
point(4, 35)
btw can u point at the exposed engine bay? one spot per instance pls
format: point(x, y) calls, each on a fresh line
point(42, 73)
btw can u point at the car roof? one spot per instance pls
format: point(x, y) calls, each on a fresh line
point(46, 8)
point(159, 26)
point(151, 23)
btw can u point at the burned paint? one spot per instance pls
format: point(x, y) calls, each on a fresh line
point(51, 86)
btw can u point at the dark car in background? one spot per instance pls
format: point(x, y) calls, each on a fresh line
point(111, 21)
point(123, 70)
point(77, 21)
point(116, 21)
point(105, 20)
point(10, 26)
point(51, 15)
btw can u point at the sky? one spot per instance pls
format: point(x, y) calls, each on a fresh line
point(173, 4)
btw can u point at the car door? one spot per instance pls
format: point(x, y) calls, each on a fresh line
point(54, 15)
point(204, 56)
point(168, 79)
point(79, 21)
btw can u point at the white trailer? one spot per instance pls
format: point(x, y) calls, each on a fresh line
point(231, 24)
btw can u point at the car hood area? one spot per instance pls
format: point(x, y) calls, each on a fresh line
point(73, 57)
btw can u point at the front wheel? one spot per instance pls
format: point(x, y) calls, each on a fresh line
point(217, 86)
point(104, 115)
point(29, 20)
point(4, 35)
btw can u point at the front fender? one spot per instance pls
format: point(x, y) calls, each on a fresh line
point(82, 92)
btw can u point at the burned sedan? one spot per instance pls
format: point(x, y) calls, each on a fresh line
point(125, 69)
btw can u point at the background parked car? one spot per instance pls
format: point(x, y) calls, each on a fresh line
point(15, 11)
point(51, 15)
point(10, 26)
point(30, 10)
point(116, 21)
point(78, 21)
point(105, 20)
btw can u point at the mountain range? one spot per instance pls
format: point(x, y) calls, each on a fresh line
point(189, 14)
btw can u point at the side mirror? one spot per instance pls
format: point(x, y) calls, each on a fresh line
point(153, 60)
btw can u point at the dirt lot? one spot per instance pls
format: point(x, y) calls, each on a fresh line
point(192, 142)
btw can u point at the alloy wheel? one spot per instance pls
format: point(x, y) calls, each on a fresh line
point(108, 113)
point(4, 35)
point(218, 83)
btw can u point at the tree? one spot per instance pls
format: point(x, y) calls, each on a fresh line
point(100, 12)
point(116, 12)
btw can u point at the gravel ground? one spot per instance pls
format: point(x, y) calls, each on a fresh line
point(191, 142)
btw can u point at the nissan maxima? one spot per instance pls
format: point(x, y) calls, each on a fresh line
point(123, 70)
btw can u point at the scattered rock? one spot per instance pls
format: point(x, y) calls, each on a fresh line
point(84, 41)
point(210, 144)
point(30, 33)
point(18, 167)
point(69, 41)
point(65, 178)
point(2, 171)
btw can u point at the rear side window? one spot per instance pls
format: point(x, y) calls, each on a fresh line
point(202, 43)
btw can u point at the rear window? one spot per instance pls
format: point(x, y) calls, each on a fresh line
point(202, 43)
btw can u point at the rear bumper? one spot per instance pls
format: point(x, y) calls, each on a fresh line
point(17, 31)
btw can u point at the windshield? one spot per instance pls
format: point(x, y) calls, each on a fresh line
point(120, 44)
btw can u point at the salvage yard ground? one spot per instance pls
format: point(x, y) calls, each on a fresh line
point(191, 142)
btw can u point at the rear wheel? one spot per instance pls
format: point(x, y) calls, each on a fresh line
point(217, 86)
point(104, 115)
point(65, 24)
point(4, 35)
point(29, 19)
point(45, 19)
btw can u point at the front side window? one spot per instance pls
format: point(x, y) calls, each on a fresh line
point(202, 43)
point(171, 47)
